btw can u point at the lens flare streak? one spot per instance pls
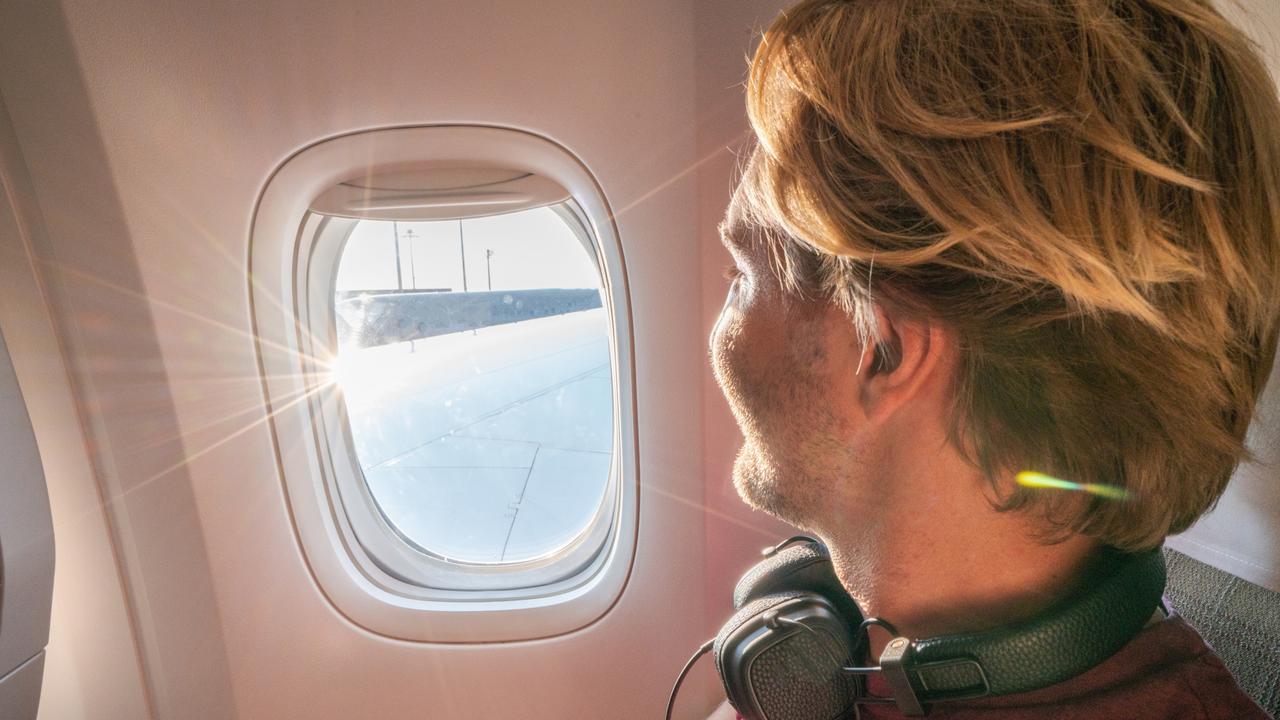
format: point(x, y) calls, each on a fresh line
point(1032, 479)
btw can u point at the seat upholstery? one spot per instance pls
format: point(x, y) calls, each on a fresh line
point(1239, 620)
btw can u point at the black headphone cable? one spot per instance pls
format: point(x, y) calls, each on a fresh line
point(671, 701)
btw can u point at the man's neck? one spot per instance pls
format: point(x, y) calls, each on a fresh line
point(941, 567)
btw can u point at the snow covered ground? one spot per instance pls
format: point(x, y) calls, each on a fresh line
point(487, 445)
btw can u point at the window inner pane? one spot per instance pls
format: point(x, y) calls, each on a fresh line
point(474, 362)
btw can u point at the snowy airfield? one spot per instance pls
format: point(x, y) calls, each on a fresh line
point(492, 445)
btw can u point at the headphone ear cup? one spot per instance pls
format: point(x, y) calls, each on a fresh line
point(803, 567)
point(720, 649)
point(788, 669)
point(794, 567)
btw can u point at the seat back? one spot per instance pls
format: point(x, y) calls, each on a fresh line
point(1239, 620)
point(26, 554)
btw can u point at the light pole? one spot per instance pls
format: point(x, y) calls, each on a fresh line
point(488, 272)
point(462, 252)
point(413, 270)
point(395, 231)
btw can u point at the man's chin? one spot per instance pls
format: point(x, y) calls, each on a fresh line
point(758, 484)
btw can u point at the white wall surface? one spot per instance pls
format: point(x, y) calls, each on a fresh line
point(99, 305)
point(91, 662)
point(149, 129)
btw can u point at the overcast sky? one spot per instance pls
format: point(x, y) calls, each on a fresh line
point(531, 249)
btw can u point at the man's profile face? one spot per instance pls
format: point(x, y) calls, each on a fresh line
point(779, 363)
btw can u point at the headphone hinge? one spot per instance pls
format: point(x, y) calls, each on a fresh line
point(894, 662)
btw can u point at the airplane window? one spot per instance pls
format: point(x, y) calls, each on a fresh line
point(473, 358)
point(444, 332)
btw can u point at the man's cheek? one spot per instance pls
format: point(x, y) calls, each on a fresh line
point(725, 341)
point(729, 313)
point(731, 365)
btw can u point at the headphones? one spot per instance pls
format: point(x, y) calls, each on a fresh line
point(787, 653)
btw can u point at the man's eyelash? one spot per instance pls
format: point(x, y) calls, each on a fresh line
point(731, 273)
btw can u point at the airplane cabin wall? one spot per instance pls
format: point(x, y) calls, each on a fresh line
point(149, 129)
point(93, 663)
point(99, 305)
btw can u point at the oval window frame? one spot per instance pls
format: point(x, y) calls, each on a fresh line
point(382, 590)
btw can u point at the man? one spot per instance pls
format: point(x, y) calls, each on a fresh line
point(984, 240)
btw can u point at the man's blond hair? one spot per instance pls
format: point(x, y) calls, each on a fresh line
point(1086, 191)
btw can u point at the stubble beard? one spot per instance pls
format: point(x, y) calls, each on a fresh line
point(770, 470)
point(756, 475)
point(764, 486)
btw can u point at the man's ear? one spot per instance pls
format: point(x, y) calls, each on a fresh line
point(908, 360)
